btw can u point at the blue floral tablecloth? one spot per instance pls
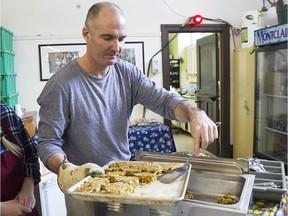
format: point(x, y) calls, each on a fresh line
point(154, 138)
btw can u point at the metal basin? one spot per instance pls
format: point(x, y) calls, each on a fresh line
point(207, 186)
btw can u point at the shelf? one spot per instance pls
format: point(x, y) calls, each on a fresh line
point(276, 131)
point(175, 73)
point(272, 155)
point(276, 96)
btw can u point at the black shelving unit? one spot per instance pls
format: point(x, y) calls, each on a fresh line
point(175, 73)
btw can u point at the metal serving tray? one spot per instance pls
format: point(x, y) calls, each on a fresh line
point(211, 164)
point(155, 193)
point(276, 174)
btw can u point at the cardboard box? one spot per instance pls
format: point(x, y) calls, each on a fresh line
point(29, 120)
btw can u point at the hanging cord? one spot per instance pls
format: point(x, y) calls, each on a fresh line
point(165, 45)
point(188, 20)
point(170, 41)
point(234, 30)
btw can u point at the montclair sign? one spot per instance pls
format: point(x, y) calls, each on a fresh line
point(271, 35)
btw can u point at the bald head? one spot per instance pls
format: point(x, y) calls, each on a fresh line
point(97, 8)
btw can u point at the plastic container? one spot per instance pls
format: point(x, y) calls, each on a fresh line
point(193, 86)
point(276, 174)
point(249, 23)
point(6, 39)
point(282, 13)
point(270, 17)
point(10, 100)
point(8, 85)
point(250, 17)
point(6, 62)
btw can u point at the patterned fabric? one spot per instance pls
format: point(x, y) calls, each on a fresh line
point(15, 125)
point(153, 138)
point(270, 208)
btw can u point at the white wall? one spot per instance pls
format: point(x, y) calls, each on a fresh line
point(36, 22)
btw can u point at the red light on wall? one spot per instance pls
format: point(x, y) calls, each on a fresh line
point(197, 19)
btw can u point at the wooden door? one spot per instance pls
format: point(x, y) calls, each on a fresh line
point(208, 78)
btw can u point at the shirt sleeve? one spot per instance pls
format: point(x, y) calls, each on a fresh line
point(31, 165)
point(154, 97)
point(54, 119)
point(16, 126)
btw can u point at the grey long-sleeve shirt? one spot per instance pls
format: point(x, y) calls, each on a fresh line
point(87, 118)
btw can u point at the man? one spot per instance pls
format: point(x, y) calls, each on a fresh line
point(86, 106)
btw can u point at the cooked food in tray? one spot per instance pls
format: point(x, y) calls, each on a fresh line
point(93, 185)
point(201, 154)
point(188, 195)
point(132, 182)
point(227, 199)
point(122, 178)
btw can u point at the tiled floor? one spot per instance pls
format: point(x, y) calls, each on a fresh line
point(183, 141)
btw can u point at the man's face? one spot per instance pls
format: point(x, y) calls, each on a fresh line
point(105, 38)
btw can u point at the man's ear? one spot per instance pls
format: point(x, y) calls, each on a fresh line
point(85, 33)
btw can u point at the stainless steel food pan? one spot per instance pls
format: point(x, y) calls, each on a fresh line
point(275, 174)
point(213, 164)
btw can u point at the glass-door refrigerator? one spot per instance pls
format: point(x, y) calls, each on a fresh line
point(270, 129)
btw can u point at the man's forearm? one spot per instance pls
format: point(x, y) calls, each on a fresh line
point(184, 110)
point(55, 161)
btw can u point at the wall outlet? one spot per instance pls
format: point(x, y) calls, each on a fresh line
point(155, 65)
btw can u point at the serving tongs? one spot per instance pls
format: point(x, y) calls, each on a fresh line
point(267, 184)
point(174, 174)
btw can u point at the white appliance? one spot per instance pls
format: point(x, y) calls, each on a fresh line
point(51, 198)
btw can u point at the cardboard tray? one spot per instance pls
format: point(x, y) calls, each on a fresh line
point(155, 193)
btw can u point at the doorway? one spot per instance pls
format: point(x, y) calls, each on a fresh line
point(216, 105)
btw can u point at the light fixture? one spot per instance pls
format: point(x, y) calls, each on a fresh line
point(197, 19)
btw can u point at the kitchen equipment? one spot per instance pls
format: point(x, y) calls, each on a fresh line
point(275, 177)
point(271, 94)
point(209, 183)
point(202, 153)
point(212, 164)
point(154, 193)
point(174, 174)
point(50, 200)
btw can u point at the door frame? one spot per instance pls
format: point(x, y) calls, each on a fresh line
point(225, 147)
